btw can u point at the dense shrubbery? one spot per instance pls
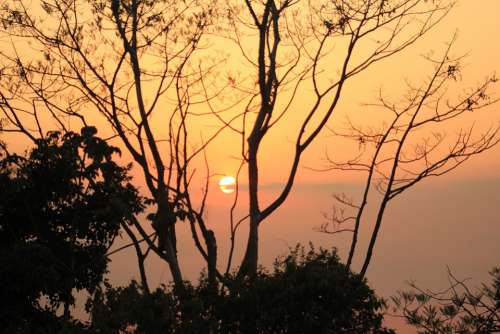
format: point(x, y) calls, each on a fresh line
point(307, 292)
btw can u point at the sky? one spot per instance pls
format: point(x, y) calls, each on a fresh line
point(451, 221)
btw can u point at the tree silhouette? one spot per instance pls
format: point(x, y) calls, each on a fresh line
point(61, 208)
point(141, 71)
point(310, 46)
point(411, 147)
point(106, 60)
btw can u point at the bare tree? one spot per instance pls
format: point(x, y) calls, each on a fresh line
point(142, 66)
point(411, 146)
point(131, 64)
point(295, 53)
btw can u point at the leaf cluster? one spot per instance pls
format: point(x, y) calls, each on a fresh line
point(61, 206)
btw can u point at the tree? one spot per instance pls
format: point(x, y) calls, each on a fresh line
point(309, 32)
point(458, 309)
point(411, 146)
point(97, 59)
point(135, 64)
point(61, 207)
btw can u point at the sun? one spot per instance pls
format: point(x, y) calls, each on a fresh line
point(227, 184)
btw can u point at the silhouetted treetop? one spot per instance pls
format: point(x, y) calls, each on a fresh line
point(61, 207)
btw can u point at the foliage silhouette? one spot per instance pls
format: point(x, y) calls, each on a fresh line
point(307, 292)
point(61, 207)
point(456, 310)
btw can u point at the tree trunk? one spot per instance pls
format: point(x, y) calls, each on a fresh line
point(212, 259)
point(250, 261)
point(140, 257)
point(373, 238)
point(164, 225)
point(142, 271)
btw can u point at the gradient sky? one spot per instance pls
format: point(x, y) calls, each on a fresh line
point(450, 221)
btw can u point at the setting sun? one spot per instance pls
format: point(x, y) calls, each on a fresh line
point(227, 184)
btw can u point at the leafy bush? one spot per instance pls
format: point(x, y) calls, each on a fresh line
point(307, 292)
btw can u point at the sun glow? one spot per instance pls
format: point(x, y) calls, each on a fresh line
point(227, 184)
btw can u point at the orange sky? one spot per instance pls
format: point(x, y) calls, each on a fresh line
point(454, 220)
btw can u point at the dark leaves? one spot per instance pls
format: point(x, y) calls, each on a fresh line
point(60, 208)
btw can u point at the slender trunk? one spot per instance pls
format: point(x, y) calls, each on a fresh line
point(142, 271)
point(176, 271)
point(212, 259)
point(250, 261)
point(173, 263)
point(210, 254)
point(355, 236)
point(164, 225)
point(378, 223)
point(140, 257)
